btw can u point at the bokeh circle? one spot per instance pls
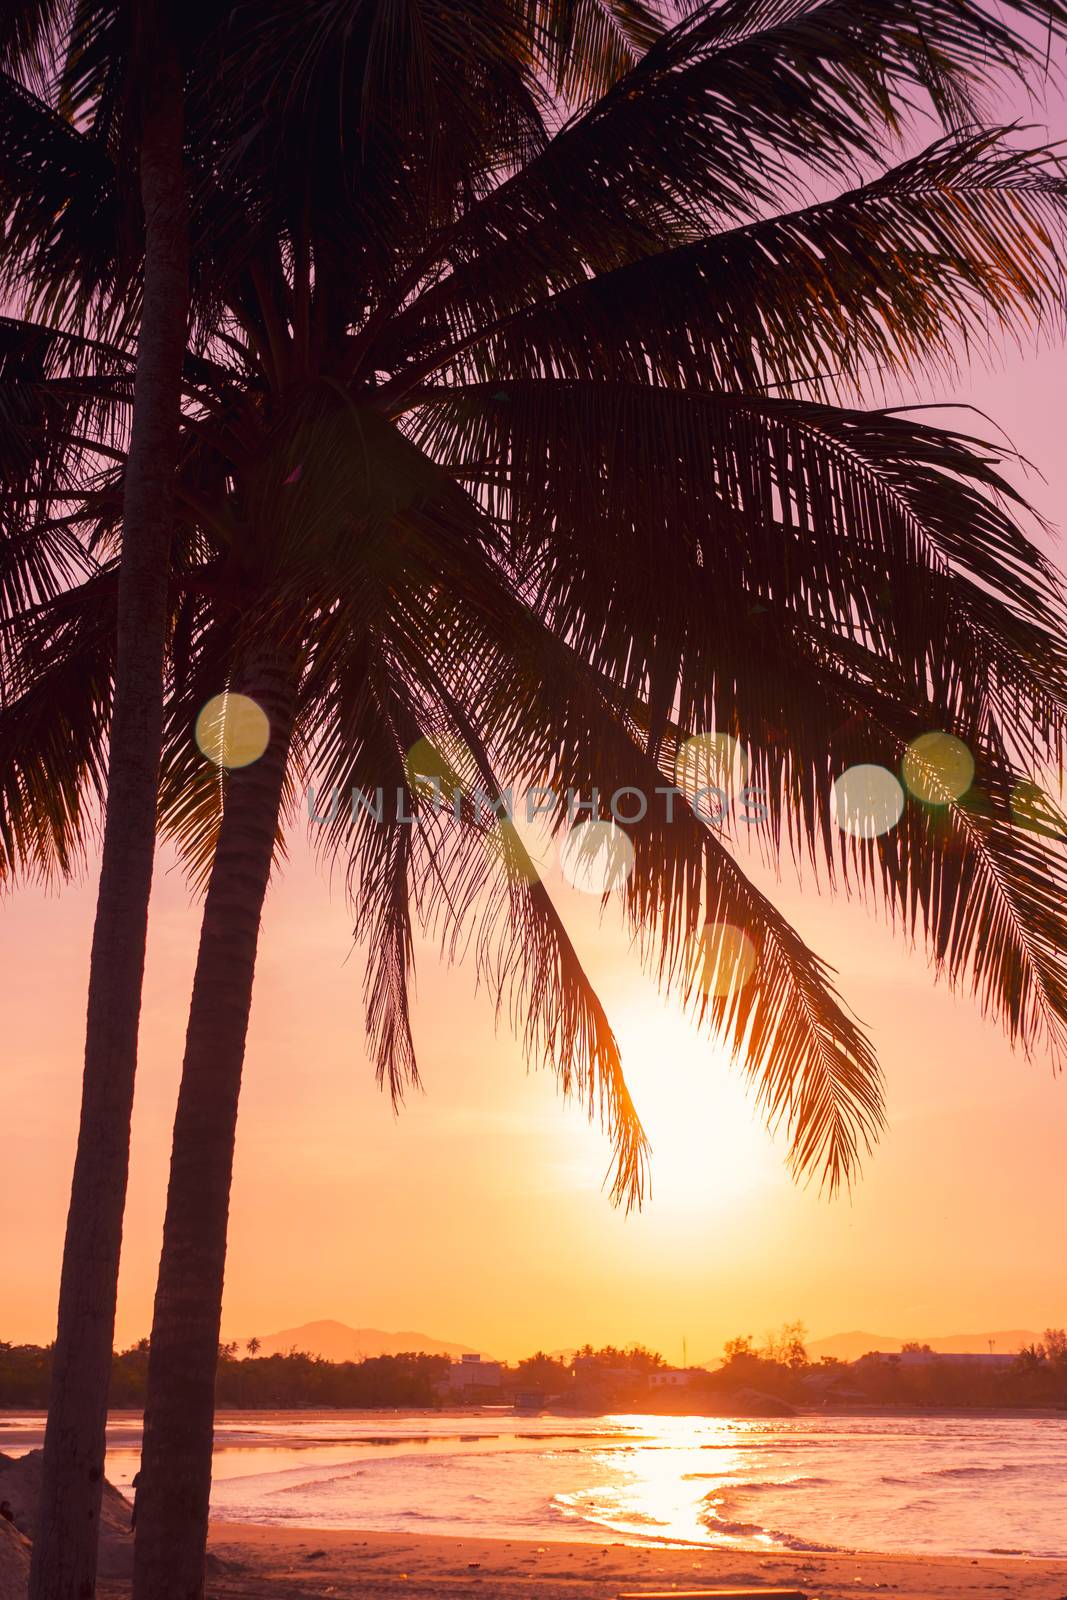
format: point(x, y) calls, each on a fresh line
point(868, 801)
point(596, 857)
point(232, 730)
point(937, 768)
point(728, 959)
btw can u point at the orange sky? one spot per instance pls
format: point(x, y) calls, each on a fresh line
point(478, 1215)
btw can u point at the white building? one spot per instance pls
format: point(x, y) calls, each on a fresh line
point(936, 1358)
point(471, 1372)
point(669, 1378)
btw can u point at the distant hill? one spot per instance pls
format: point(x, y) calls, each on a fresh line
point(849, 1346)
point(336, 1341)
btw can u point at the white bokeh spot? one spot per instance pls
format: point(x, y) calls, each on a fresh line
point(596, 857)
point(868, 801)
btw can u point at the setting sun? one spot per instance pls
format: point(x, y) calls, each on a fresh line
point(709, 1150)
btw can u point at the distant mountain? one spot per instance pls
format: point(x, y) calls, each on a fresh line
point(849, 1346)
point(336, 1341)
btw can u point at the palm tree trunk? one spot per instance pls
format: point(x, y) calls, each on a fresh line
point(65, 1548)
point(172, 1502)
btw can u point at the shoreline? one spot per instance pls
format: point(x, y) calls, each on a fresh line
point(131, 1414)
point(283, 1563)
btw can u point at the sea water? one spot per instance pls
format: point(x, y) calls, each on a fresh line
point(961, 1484)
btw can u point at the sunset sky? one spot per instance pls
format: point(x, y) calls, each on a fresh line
point(477, 1215)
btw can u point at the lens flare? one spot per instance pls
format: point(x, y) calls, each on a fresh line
point(596, 857)
point(868, 801)
point(728, 959)
point(436, 766)
point(232, 730)
point(711, 761)
point(937, 768)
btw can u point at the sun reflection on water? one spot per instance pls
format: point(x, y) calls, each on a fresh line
point(667, 1488)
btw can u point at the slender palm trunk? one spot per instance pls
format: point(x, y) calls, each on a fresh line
point(65, 1548)
point(172, 1503)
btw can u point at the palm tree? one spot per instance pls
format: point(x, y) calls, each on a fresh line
point(151, 127)
point(429, 628)
point(505, 468)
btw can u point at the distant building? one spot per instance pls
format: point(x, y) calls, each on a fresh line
point(470, 1373)
point(590, 1369)
point(834, 1387)
point(669, 1378)
point(530, 1399)
point(935, 1358)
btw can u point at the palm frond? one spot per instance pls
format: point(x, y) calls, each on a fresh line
point(55, 705)
point(887, 526)
point(32, 34)
point(522, 950)
point(980, 877)
point(813, 1070)
point(953, 247)
point(587, 45)
point(726, 116)
point(70, 248)
point(58, 421)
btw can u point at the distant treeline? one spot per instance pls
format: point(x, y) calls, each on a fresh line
point(252, 1382)
point(1036, 1376)
point(604, 1378)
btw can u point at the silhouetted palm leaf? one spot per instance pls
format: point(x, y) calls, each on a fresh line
point(956, 246)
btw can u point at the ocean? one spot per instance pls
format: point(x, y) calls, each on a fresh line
point(952, 1485)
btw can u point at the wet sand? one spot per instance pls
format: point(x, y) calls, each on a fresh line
point(271, 1563)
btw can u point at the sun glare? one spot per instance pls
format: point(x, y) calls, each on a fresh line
point(708, 1144)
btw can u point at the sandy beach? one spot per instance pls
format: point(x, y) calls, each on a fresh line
point(304, 1564)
